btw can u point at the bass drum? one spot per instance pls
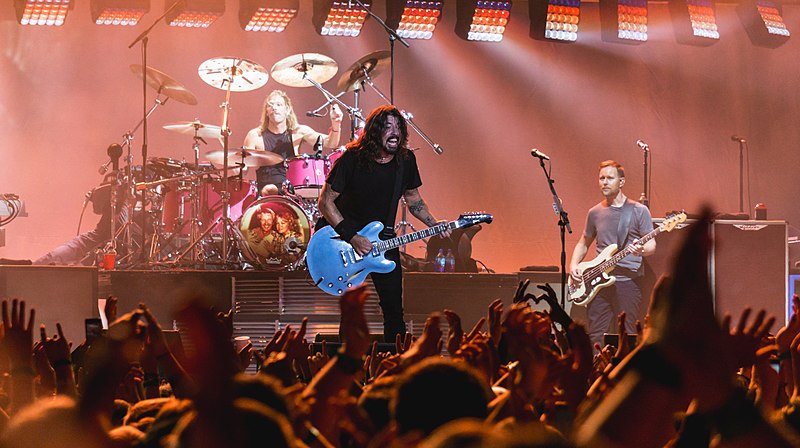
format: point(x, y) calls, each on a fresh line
point(275, 231)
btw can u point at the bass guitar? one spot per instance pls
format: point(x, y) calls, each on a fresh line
point(596, 273)
point(336, 267)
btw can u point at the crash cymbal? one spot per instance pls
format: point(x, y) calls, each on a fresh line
point(250, 157)
point(374, 64)
point(289, 71)
point(243, 75)
point(164, 84)
point(190, 127)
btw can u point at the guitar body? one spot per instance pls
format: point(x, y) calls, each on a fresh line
point(583, 292)
point(336, 267)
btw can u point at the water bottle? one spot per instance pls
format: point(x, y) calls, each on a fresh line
point(450, 261)
point(441, 262)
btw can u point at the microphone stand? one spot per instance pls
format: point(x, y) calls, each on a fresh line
point(393, 36)
point(563, 224)
point(644, 199)
point(143, 38)
point(741, 176)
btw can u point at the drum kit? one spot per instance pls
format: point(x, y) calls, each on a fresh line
point(202, 213)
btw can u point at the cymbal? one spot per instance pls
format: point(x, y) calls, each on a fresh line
point(190, 127)
point(242, 74)
point(163, 83)
point(250, 157)
point(289, 70)
point(374, 64)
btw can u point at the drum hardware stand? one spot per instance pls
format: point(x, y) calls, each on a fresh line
point(563, 224)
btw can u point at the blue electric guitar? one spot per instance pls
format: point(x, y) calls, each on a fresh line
point(336, 267)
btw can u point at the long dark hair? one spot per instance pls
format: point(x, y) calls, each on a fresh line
point(369, 144)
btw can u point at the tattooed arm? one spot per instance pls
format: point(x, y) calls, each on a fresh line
point(418, 208)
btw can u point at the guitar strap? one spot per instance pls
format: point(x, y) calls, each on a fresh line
point(624, 224)
point(398, 181)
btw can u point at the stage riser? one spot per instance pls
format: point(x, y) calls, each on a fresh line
point(65, 295)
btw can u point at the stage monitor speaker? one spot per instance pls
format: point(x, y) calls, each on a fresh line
point(65, 295)
point(750, 268)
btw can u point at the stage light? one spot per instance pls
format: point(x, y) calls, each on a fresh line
point(623, 21)
point(42, 12)
point(555, 20)
point(482, 20)
point(763, 22)
point(339, 18)
point(694, 21)
point(413, 19)
point(119, 12)
point(267, 15)
point(194, 13)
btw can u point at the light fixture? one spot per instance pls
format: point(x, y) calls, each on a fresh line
point(119, 12)
point(267, 15)
point(339, 18)
point(413, 19)
point(482, 20)
point(623, 21)
point(194, 13)
point(694, 21)
point(555, 20)
point(763, 22)
point(42, 12)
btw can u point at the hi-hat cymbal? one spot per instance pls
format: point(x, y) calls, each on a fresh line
point(250, 157)
point(374, 64)
point(165, 84)
point(289, 70)
point(243, 75)
point(195, 128)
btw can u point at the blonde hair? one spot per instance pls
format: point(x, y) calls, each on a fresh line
point(291, 118)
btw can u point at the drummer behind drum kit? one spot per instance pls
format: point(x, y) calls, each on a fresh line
point(197, 209)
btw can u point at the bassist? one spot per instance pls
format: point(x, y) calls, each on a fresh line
point(365, 185)
point(615, 220)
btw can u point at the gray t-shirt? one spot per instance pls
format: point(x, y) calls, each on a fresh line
point(602, 223)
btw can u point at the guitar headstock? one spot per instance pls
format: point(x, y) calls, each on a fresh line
point(472, 218)
point(673, 220)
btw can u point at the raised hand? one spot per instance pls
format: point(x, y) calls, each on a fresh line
point(354, 330)
point(56, 348)
point(785, 335)
point(495, 321)
point(556, 312)
point(18, 337)
point(455, 334)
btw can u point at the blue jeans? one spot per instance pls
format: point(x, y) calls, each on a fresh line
point(624, 295)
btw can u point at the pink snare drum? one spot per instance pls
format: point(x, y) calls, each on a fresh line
point(307, 175)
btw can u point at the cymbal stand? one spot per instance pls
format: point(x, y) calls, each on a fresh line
point(196, 193)
point(353, 111)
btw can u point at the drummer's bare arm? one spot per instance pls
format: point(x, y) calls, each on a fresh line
point(335, 131)
point(253, 140)
point(418, 208)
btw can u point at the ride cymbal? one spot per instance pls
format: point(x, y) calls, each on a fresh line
point(373, 64)
point(195, 128)
point(289, 71)
point(250, 157)
point(242, 74)
point(165, 84)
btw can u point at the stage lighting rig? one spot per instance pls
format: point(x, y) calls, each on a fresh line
point(119, 12)
point(194, 13)
point(555, 20)
point(623, 21)
point(339, 18)
point(763, 22)
point(413, 19)
point(482, 20)
point(694, 22)
point(42, 12)
point(267, 15)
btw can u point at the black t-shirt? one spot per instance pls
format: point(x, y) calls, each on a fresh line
point(366, 191)
point(280, 144)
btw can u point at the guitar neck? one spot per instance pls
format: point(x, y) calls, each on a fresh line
point(402, 240)
point(617, 257)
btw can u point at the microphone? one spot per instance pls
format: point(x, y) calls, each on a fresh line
point(313, 114)
point(539, 155)
point(318, 147)
point(642, 144)
point(736, 138)
point(104, 168)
